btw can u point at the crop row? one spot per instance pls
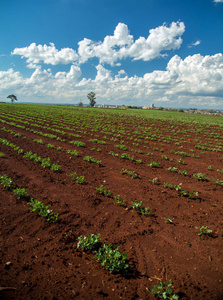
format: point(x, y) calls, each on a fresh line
point(22, 194)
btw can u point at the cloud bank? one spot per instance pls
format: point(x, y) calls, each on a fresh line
point(116, 47)
point(185, 82)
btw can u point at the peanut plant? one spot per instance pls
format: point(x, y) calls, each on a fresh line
point(6, 181)
point(169, 220)
point(201, 177)
point(88, 243)
point(78, 179)
point(164, 291)
point(21, 193)
point(102, 190)
point(154, 164)
point(118, 201)
point(138, 207)
point(109, 255)
point(204, 230)
point(133, 174)
point(42, 210)
point(91, 159)
point(112, 259)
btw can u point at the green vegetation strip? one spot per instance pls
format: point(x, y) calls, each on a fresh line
point(21, 194)
point(109, 255)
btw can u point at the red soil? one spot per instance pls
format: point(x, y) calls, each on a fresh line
point(40, 260)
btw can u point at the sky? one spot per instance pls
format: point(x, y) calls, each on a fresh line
point(128, 52)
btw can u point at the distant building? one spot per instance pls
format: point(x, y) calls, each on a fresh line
point(149, 107)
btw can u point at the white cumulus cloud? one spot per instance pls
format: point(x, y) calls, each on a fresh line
point(160, 40)
point(108, 51)
point(10, 79)
point(73, 74)
point(197, 74)
point(122, 45)
point(47, 54)
point(102, 74)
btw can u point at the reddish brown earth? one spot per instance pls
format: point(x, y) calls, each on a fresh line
point(40, 260)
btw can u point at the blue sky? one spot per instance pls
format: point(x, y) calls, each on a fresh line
point(166, 52)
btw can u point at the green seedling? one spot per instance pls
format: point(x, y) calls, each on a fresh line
point(204, 230)
point(78, 179)
point(154, 164)
point(218, 181)
point(97, 141)
point(182, 153)
point(112, 259)
point(164, 291)
point(40, 141)
point(42, 210)
point(55, 167)
point(178, 187)
point(102, 190)
point(139, 161)
point(21, 193)
point(138, 206)
point(72, 152)
point(122, 147)
point(88, 242)
point(184, 172)
point(192, 195)
point(149, 154)
point(73, 175)
point(20, 151)
point(168, 185)
point(2, 155)
point(50, 146)
point(130, 173)
point(77, 143)
point(118, 201)
point(6, 181)
point(113, 153)
point(172, 169)
point(92, 160)
point(181, 161)
point(166, 158)
point(94, 149)
point(169, 220)
point(127, 156)
point(46, 163)
point(201, 177)
point(154, 180)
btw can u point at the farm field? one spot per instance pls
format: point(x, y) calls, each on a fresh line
point(150, 182)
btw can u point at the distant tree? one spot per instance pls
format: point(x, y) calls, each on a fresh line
point(80, 104)
point(91, 96)
point(12, 98)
